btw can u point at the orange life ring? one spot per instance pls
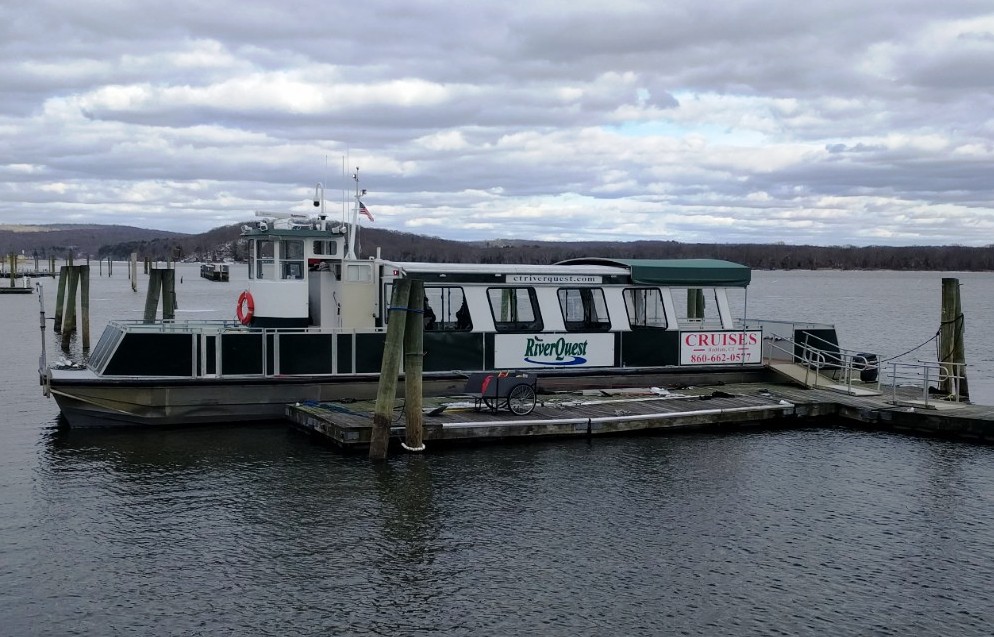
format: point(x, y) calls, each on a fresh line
point(245, 308)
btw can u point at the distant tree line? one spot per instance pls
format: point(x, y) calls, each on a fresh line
point(80, 240)
point(223, 243)
point(406, 247)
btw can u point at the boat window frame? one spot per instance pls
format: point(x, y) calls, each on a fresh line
point(445, 315)
point(644, 324)
point(325, 247)
point(595, 316)
point(291, 259)
point(357, 268)
point(251, 259)
point(265, 263)
point(536, 324)
point(711, 305)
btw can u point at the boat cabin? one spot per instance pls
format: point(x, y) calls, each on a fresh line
point(313, 307)
point(578, 313)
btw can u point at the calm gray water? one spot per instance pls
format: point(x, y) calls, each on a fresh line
point(221, 531)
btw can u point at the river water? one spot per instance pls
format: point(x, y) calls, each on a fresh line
point(222, 531)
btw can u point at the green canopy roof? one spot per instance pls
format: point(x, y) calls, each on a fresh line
point(681, 272)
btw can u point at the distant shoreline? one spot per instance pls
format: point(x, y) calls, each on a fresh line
point(223, 243)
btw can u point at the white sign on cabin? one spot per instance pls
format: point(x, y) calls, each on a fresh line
point(514, 351)
point(553, 279)
point(721, 348)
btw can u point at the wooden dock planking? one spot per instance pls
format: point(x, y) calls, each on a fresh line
point(728, 407)
point(562, 415)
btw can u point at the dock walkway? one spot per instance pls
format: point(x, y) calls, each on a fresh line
point(621, 411)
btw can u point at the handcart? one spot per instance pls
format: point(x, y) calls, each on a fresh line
point(502, 390)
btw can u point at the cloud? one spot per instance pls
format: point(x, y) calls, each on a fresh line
point(823, 123)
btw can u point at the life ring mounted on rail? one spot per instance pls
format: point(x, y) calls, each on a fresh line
point(245, 308)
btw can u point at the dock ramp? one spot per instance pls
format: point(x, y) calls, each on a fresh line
point(811, 379)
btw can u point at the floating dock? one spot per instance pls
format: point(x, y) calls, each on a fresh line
point(730, 407)
point(16, 290)
point(215, 271)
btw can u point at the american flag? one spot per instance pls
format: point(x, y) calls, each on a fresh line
point(363, 210)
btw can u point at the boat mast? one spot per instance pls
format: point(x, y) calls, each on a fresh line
point(355, 216)
point(319, 201)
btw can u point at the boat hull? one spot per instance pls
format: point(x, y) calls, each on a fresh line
point(90, 402)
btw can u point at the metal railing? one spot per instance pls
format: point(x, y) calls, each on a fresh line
point(824, 357)
point(925, 374)
point(201, 330)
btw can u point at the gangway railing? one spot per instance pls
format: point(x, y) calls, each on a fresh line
point(925, 374)
point(824, 356)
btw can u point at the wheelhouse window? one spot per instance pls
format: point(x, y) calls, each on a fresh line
point(584, 309)
point(446, 309)
point(329, 248)
point(265, 264)
point(292, 258)
point(251, 259)
point(320, 261)
point(645, 308)
point(515, 309)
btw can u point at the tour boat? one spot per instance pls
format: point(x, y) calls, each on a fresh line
point(312, 323)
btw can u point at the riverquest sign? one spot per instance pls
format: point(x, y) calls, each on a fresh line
point(561, 279)
point(721, 348)
point(513, 351)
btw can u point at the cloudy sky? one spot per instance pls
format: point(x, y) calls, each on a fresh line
point(824, 122)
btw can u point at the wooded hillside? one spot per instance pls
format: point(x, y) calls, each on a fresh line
point(119, 242)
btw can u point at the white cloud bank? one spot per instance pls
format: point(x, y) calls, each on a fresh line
point(825, 123)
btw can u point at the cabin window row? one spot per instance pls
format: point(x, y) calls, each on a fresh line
point(291, 264)
point(516, 309)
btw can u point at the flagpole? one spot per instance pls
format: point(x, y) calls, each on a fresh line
point(353, 234)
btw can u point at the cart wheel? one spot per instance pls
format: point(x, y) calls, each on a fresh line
point(521, 400)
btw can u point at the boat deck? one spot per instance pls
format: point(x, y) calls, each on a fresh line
point(621, 411)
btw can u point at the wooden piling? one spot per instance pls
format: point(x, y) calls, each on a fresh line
point(84, 305)
point(695, 303)
point(386, 391)
point(168, 294)
point(951, 348)
point(414, 368)
point(59, 298)
point(69, 316)
point(133, 271)
point(152, 296)
point(72, 277)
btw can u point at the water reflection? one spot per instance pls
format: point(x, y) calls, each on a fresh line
point(410, 520)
